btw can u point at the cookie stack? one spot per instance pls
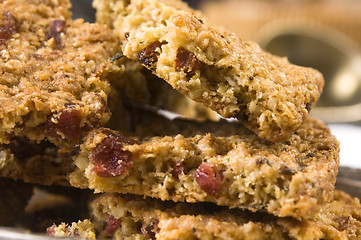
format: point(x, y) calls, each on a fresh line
point(66, 119)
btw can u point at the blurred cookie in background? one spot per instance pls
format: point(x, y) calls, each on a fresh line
point(246, 18)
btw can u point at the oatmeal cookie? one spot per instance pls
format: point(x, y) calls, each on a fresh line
point(123, 217)
point(233, 77)
point(54, 72)
point(239, 170)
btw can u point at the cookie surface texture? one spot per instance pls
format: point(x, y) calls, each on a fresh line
point(54, 72)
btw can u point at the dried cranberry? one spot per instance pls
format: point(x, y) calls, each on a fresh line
point(177, 170)
point(109, 158)
point(149, 55)
point(112, 225)
point(209, 178)
point(56, 28)
point(50, 231)
point(7, 27)
point(150, 230)
point(67, 123)
point(186, 61)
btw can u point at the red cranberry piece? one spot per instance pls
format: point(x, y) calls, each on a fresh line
point(7, 27)
point(112, 225)
point(209, 178)
point(66, 122)
point(56, 28)
point(109, 158)
point(50, 231)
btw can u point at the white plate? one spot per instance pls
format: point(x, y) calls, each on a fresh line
point(350, 143)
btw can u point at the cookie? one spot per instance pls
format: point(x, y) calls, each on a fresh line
point(240, 170)
point(233, 77)
point(83, 229)
point(122, 217)
point(55, 72)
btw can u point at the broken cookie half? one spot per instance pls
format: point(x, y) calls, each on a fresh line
point(240, 170)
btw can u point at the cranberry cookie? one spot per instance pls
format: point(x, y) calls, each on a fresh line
point(239, 170)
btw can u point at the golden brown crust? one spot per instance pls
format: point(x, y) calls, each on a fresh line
point(233, 77)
